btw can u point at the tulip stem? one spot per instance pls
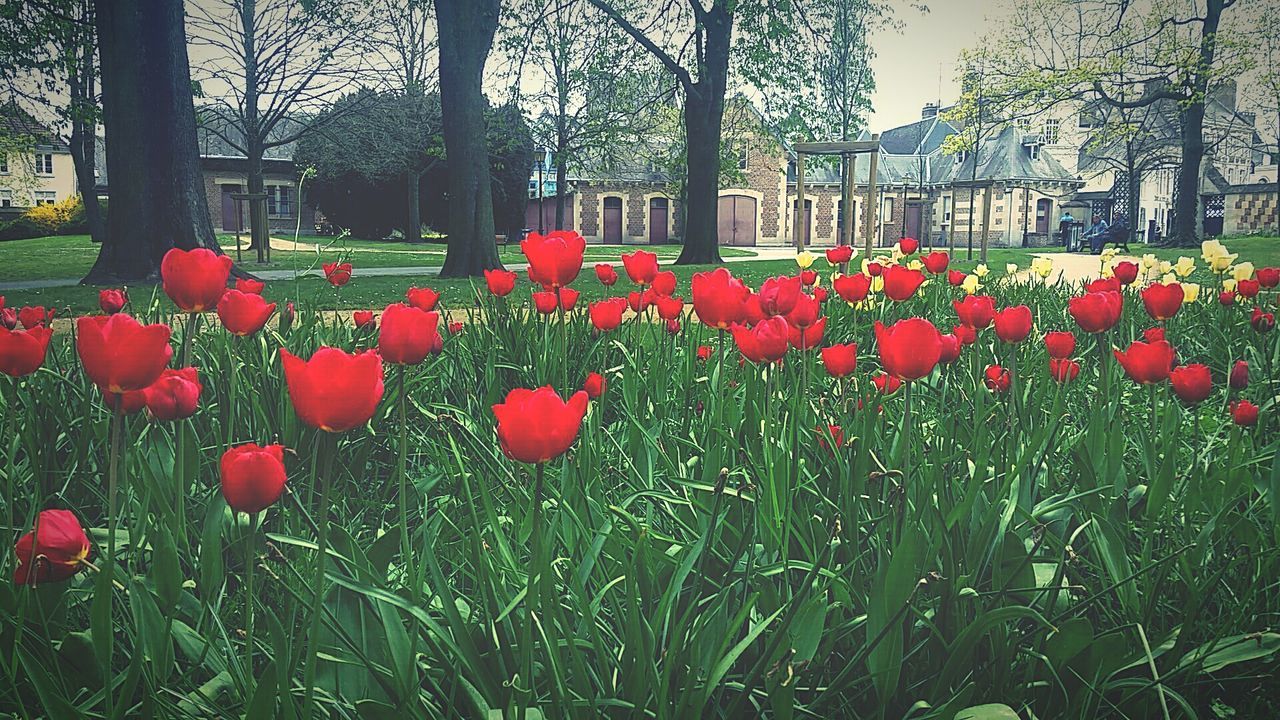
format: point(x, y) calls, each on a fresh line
point(249, 560)
point(193, 326)
point(533, 595)
point(410, 569)
point(113, 484)
point(322, 549)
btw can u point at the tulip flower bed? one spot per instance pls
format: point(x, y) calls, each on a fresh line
point(896, 492)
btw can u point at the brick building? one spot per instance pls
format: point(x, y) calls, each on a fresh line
point(225, 172)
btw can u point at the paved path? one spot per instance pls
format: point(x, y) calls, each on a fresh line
point(761, 253)
point(1073, 268)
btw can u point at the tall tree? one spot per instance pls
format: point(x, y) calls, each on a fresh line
point(272, 64)
point(49, 62)
point(467, 28)
point(1268, 86)
point(157, 189)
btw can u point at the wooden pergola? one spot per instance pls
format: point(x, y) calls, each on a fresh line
point(848, 152)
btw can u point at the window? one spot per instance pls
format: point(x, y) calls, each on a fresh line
point(946, 208)
point(1023, 124)
point(46, 197)
point(4, 164)
point(887, 217)
point(1052, 131)
point(280, 201)
point(1035, 151)
point(744, 155)
point(44, 163)
point(6, 198)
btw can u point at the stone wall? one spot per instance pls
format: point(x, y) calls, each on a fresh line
point(1251, 210)
point(215, 179)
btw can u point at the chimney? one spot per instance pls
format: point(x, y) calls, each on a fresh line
point(930, 110)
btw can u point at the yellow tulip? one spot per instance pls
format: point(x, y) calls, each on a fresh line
point(981, 271)
point(1242, 271)
point(1011, 269)
point(1166, 267)
point(1228, 285)
point(877, 283)
point(1190, 292)
point(915, 265)
point(1149, 261)
point(1185, 266)
point(1042, 266)
point(970, 284)
point(1168, 279)
point(805, 259)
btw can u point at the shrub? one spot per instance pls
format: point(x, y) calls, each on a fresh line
point(54, 218)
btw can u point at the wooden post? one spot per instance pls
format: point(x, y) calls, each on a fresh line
point(800, 224)
point(870, 210)
point(986, 219)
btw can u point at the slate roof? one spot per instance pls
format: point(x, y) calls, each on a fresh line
point(15, 121)
point(1004, 157)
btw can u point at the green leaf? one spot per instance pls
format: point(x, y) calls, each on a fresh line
point(991, 711)
point(1220, 653)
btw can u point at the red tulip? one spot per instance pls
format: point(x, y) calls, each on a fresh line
point(638, 301)
point(886, 383)
point(909, 349)
point(554, 259)
point(901, 282)
point(1013, 324)
point(1060, 344)
point(1248, 288)
point(704, 353)
point(112, 300)
point(997, 379)
point(1262, 321)
point(955, 278)
point(1126, 272)
point(174, 396)
point(1268, 277)
point(535, 426)
point(129, 403)
point(808, 277)
point(1162, 301)
point(976, 311)
point(338, 274)
point(287, 316)
point(120, 355)
point(752, 311)
point(8, 318)
point(805, 313)
point(778, 295)
point(249, 285)
point(606, 274)
point(808, 337)
point(252, 477)
point(1103, 285)
point(568, 298)
point(22, 352)
point(244, 313)
point(1227, 297)
point(363, 319)
point(670, 308)
point(832, 433)
point(874, 269)
point(1064, 370)
point(424, 299)
point(194, 279)
point(936, 262)
point(950, 349)
point(673, 326)
point(500, 282)
point(718, 298)
point(1147, 363)
point(34, 317)
point(965, 334)
point(852, 288)
point(641, 266)
point(606, 315)
point(334, 391)
point(1191, 383)
point(594, 385)
point(1096, 312)
point(840, 360)
point(820, 294)
point(1244, 413)
point(53, 551)
point(840, 254)
point(1239, 378)
point(407, 334)
point(1154, 334)
point(908, 246)
point(546, 301)
point(765, 342)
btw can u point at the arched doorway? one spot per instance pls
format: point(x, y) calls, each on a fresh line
point(737, 220)
point(613, 220)
point(658, 214)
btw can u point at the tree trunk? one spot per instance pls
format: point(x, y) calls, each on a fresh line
point(703, 117)
point(157, 190)
point(83, 110)
point(466, 29)
point(259, 233)
point(1135, 200)
point(562, 179)
point(1187, 220)
point(413, 218)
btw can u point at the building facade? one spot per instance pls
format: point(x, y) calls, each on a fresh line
point(42, 173)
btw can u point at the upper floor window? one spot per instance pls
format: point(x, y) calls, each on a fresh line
point(1052, 131)
point(744, 155)
point(44, 163)
point(1035, 151)
point(4, 164)
point(280, 200)
point(1023, 123)
point(46, 197)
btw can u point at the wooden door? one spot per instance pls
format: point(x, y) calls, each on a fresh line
point(736, 217)
point(230, 222)
point(613, 220)
point(912, 226)
point(658, 221)
point(1044, 209)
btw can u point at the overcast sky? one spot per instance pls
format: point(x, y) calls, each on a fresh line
point(907, 63)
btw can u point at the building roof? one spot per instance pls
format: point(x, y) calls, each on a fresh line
point(1004, 157)
point(922, 137)
point(213, 131)
point(16, 122)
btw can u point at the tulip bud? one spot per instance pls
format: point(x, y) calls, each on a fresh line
point(1239, 378)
